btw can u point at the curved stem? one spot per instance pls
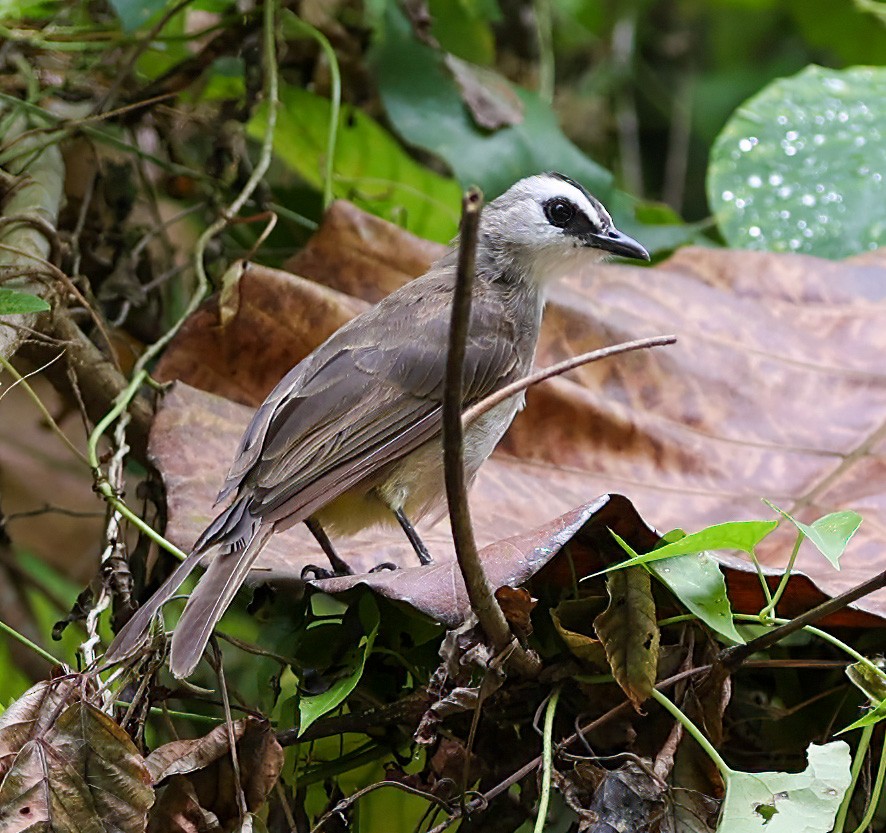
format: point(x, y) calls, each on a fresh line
point(335, 102)
point(860, 751)
point(693, 730)
point(547, 761)
point(10, 631)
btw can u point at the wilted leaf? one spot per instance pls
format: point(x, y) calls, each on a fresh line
point(83, 772)
point(488, 96)
point(799, 167)
point(517, 605)
point(31, 715)
point(573, 620)
point(782, 802)
point(200, 776)
point(696, 433)
point(629, 633)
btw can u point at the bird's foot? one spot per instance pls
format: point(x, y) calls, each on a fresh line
point(384, 566)
point(316, 572)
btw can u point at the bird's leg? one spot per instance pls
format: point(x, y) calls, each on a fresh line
point(339, 566)
point(417, 544)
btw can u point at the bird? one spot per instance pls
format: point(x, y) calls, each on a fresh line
point(351, 436)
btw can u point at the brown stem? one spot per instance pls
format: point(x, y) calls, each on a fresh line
point(480, 592)
point(508, 391)
point(98, 380)
point(529, 768)
point(732, 657)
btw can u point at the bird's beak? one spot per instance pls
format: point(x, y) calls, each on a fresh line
point(618, 243)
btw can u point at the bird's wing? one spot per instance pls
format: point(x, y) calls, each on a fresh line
point(369, 395)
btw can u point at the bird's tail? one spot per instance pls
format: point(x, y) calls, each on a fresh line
point(236, 530)
point(210, 599)
point(134, 632)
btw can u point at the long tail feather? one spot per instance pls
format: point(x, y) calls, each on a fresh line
point(134, 632)
point(210, 599)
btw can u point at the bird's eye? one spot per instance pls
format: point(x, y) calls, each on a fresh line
point(559, 212)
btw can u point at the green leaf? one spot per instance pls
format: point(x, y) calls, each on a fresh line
point(371, 169)
point(874, 715)
point(423, 103)
point(783, 802)
point(800, 166)
point(313, 707)
point(136, 13)
point(830, 534)
point(13, 302)
point(696, 580)
point(11, 10)
point(735, 535)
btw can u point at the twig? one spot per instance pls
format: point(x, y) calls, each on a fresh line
point(229, 724)
point(481, 595)
point(23, 381)
point(351, 799)
point(732, 657)
point(531, 766)
point(486, 404)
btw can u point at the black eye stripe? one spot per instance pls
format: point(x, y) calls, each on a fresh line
point(560, 212)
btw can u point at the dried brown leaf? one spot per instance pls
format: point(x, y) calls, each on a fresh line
point(178, 810)
point(629, 632)
point(774, 389)
point(205, 763)
point(517, 605)
point(31, 715)
point(84, 775)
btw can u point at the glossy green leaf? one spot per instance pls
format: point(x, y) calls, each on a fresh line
point(735, 535)
point(13, 302)
point(315, 706)
point(424, 105)
point(830, 534)
point(696, 580)
point(801, 166)
point(784, 802)
point(371, 169)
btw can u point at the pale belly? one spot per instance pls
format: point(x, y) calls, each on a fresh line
point(415, 483)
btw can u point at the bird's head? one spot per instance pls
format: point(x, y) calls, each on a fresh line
point(548, 225)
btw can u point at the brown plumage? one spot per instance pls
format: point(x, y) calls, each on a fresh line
point(353, 431)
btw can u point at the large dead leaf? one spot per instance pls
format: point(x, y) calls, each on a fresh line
point(774, 390)
point(32, 715)
point(83, 775)
point(200, 787)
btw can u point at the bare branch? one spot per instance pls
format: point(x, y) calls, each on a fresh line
point(508, 391)
point(480, 592)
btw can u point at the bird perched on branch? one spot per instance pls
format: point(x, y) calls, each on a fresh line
point(351, 435)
